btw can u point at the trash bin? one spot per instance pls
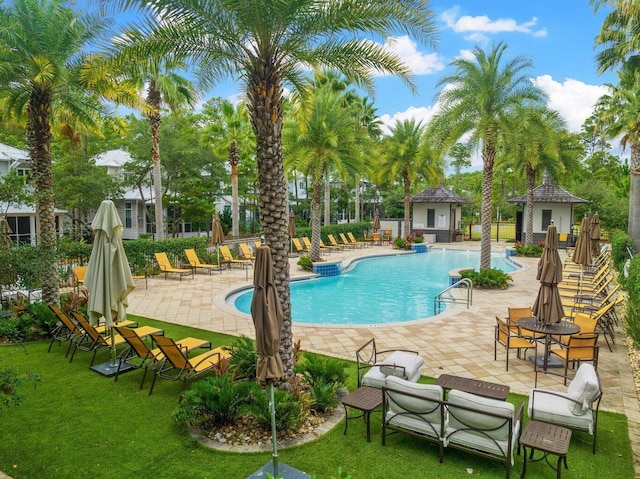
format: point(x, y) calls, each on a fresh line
point(459, 236)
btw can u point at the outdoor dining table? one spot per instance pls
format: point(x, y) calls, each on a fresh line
point(562, 328)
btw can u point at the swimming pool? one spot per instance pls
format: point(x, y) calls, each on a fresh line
point(379, 290)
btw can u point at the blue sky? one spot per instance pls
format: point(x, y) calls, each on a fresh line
point(557, 35)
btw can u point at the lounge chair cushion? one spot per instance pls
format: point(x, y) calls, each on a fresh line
point(584, 389)
point(408, 364)
point(416, 414)
point(479, 431)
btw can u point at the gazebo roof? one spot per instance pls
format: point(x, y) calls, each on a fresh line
point(548, 193)
point(438, 195)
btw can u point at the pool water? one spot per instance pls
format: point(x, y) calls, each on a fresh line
point(380, 290)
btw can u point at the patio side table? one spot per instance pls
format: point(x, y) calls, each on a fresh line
point(365, 399)
point(548, 439)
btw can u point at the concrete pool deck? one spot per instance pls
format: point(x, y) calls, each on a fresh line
point(459, 341)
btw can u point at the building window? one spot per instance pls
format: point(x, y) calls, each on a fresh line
point(431, 218)
point(546, 219)
point(128, 222)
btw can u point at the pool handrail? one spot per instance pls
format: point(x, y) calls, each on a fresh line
point(439, 298)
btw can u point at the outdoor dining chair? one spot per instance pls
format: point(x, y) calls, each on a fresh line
point(579, 349)
point(510, 340)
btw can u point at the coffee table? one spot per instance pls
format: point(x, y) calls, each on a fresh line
point(474, 386)
point(365, 399)
point(548, 439)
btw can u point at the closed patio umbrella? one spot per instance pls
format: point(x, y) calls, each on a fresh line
point(5, 231)
point(582, 250)
point(547, 307)
point(594, 233)
point(376, 221)
point(108, 277)
point(217, 235)
point(266, 311)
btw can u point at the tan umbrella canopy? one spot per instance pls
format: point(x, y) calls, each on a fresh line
point(376, 221)
point(594, 233)
point(266, 311)
point(108, 277)
point(582, 251)
point(5, 231)
point(547, 307)
point(217, 233)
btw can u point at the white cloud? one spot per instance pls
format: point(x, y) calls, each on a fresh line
point(483, 24)
point(421, 113)
point(573, 99)
point(418, 62)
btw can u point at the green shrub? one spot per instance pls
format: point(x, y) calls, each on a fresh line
point(531, 251)
point(305, 263)
point(487, 278)
point(401, 243)
point(213, 401)
point(244, 355)
point(620, 242)
point(324, 370)
point(632, 322)
point(324, 395)
point(289, 413)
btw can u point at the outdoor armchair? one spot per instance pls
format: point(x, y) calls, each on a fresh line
point(373, 365)
point(177, 366)
point(166, 267)
point(576, 409)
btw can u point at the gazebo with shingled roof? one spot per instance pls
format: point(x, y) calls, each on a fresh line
point(437, 212)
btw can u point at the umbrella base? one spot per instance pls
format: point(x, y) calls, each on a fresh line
point(551, 362)
point(287, 472)
point(110, 368)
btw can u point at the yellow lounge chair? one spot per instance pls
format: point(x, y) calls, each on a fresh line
point(330, 247)
point(246, 251)
point(228, 258)
point(79, 272)
point(348, 242)
point(195, 263)
point(308, 245)
point(165, 266)
point(333, 242)
point(298, 246)
point(355, 241)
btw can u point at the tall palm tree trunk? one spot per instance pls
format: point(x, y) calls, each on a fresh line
point(488, 156)
point(634, 196)
point(327, 199)
point(531, 179)
point(154, 99)
point(234, 159)
point(407, 206)
point(315, 216)
point(39, 140)
point(356, 216)
point(265, 102)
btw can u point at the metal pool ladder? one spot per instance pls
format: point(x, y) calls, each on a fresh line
point(443, 298)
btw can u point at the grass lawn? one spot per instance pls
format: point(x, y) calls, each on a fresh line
point(79, 424)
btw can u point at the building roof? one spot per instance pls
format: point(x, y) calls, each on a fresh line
point(10, 153)
point(438, 195)
point(548, 193)
point(113, 158)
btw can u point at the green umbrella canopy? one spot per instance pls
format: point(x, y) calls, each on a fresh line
point(108, 277)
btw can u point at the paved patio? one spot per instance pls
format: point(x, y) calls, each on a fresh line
point(458, 341)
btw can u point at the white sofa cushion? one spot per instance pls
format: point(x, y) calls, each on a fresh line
point(558, 409)
point(475, 430)
point(420, 414)
point(408, 364)
point(584, 388)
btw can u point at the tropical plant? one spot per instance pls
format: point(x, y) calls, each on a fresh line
point(46, 77)
point(244, 357)
point(269, 45)
point(476, 99)
point(491, 278)
point(406, 159)
point(620, 44)
point(10, 383)
point(305, 263)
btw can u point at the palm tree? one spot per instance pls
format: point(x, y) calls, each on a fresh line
point(164, 87)
point(46, 77)
point(232, 132)
point(320, 137)
point(269, 45)
point(476, 99)
point(532, 145)
point(406, 159)
point(620, 38)
point(618, 114)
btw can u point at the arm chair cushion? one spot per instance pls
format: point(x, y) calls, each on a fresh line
point(557, 408)
point(496, 432)
point(402, 364)
point(414, 406)
point(584, 389)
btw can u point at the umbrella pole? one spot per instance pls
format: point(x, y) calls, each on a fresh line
point(113, 346)
point(272, 409)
